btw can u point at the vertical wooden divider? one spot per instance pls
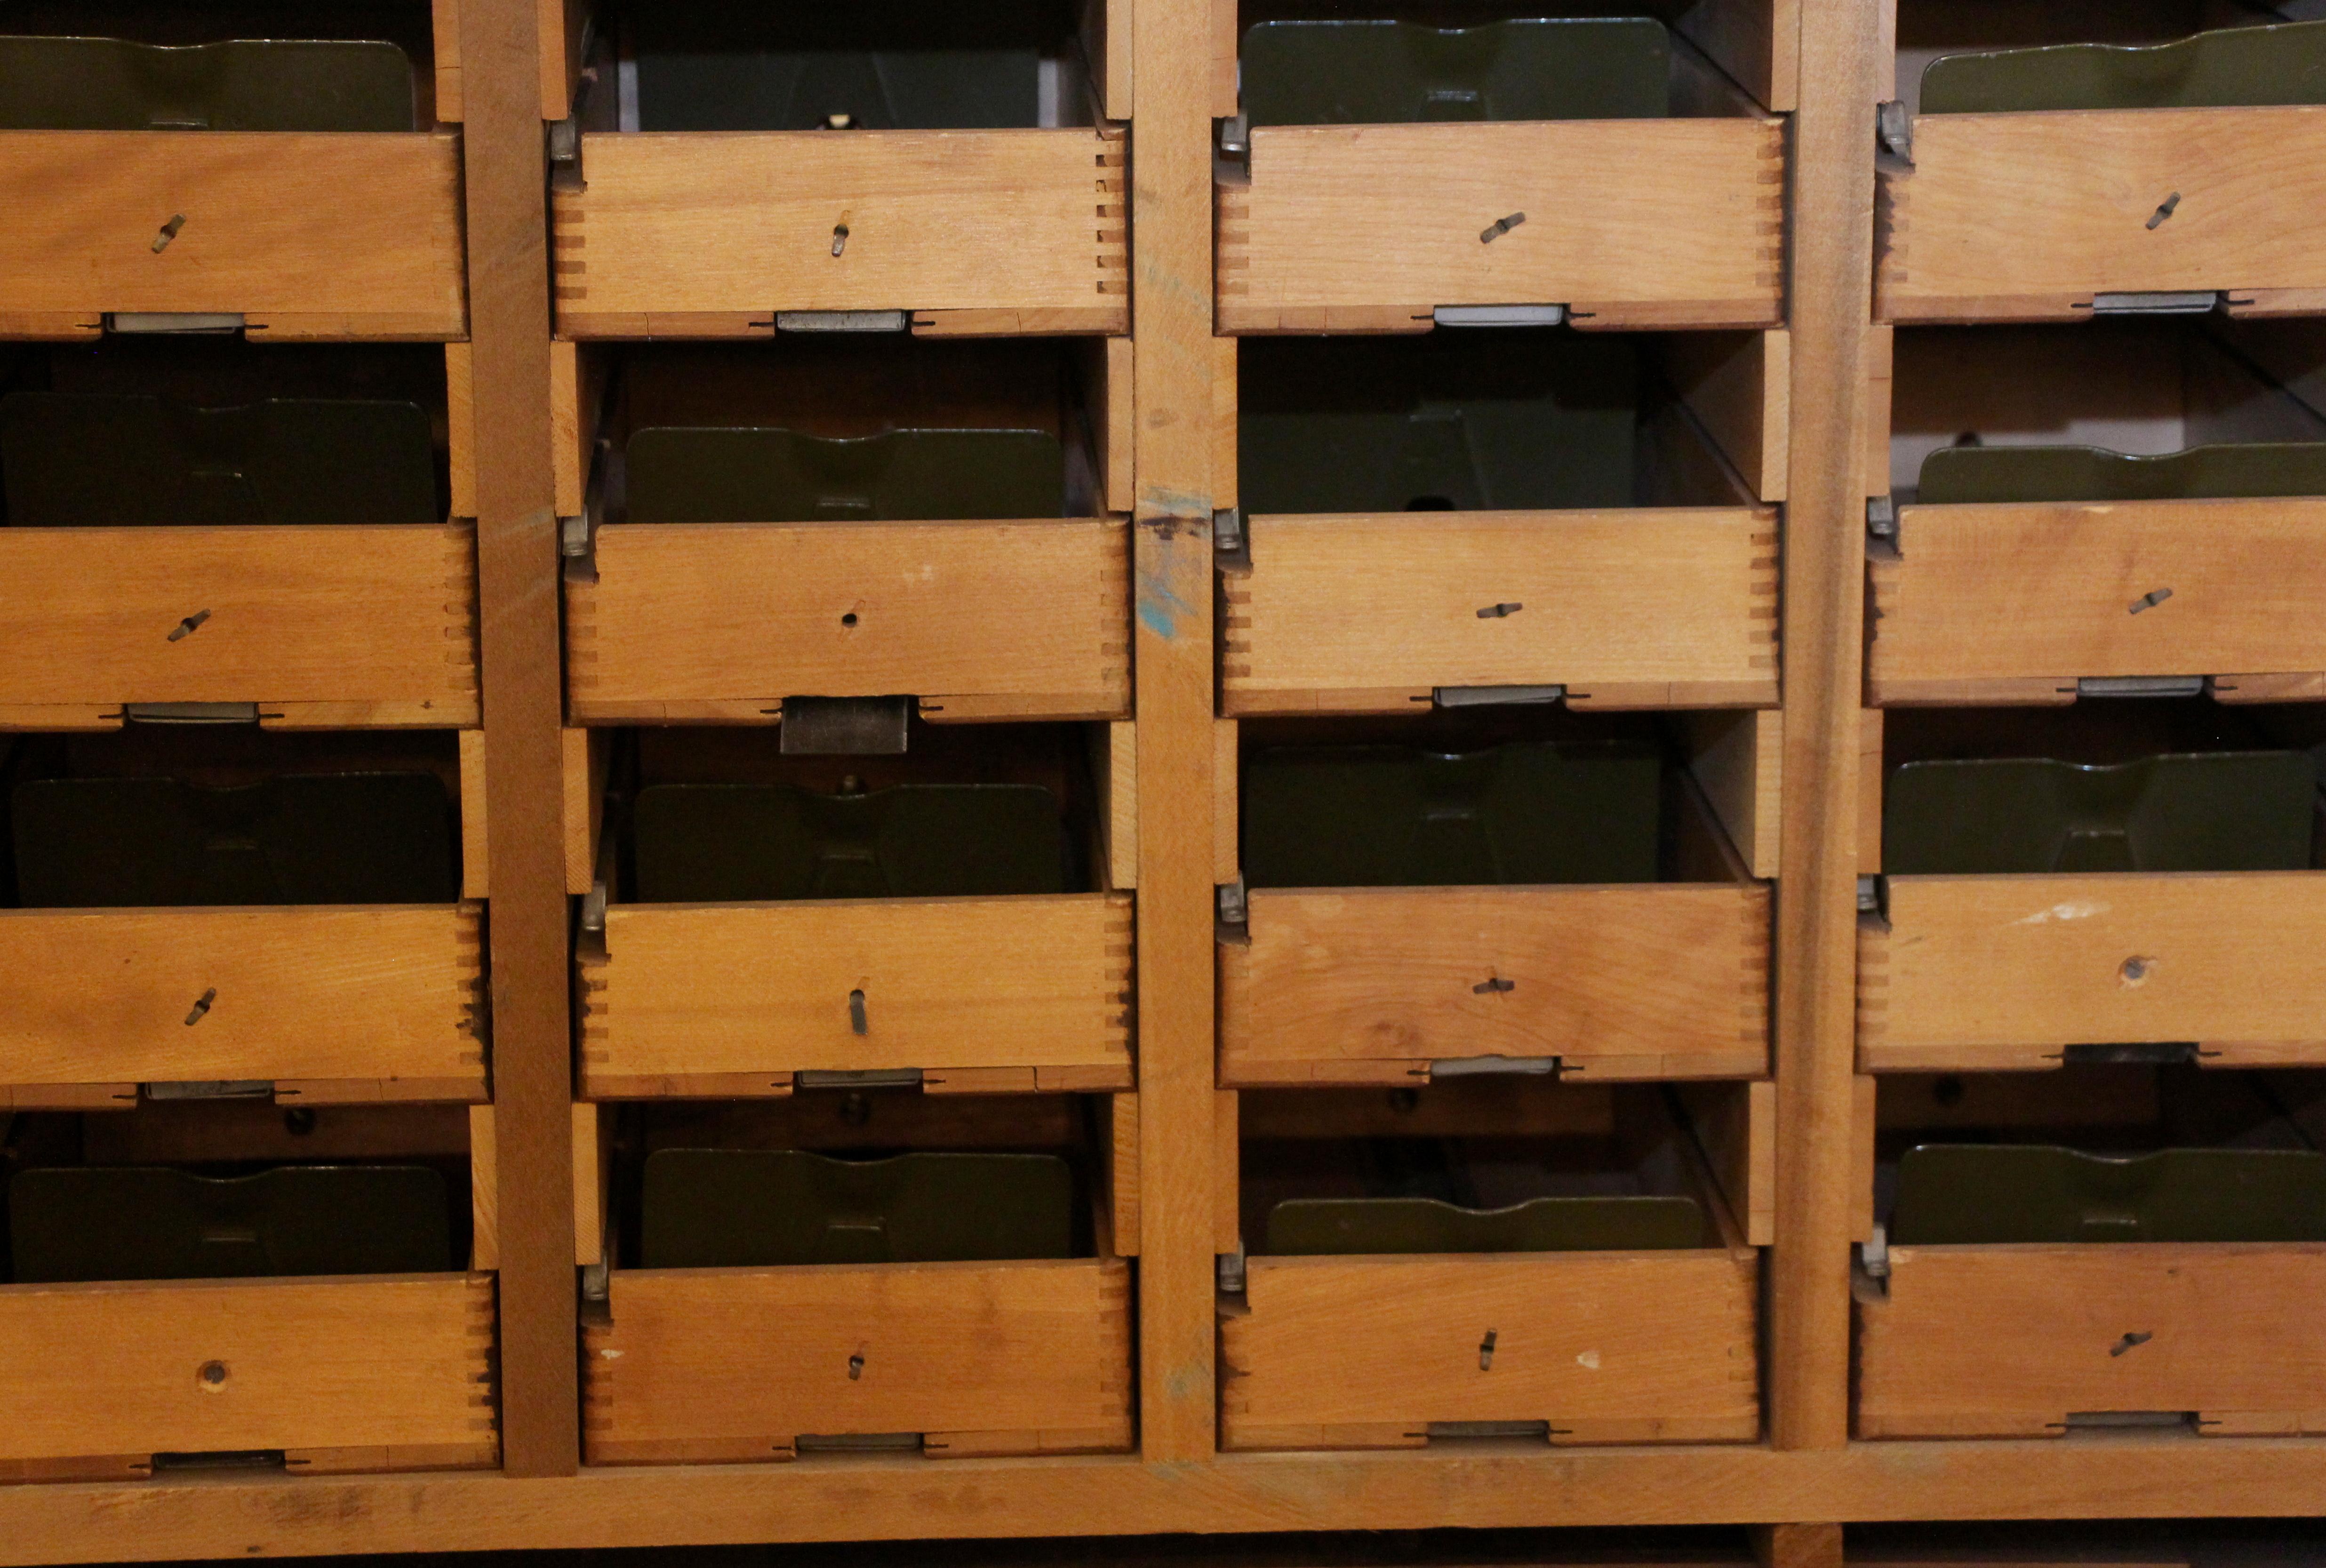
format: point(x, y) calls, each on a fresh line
point(503, 144)
point(1830, 309)
point(1171, 326)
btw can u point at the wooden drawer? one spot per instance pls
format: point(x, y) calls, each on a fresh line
point(344, 235)
point(1000, 232)
point(2007, 971)
point(1021, 992)
point(356, 1373)
point(2016, 1341)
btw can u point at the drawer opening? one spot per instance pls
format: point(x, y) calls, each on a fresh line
point(254, 65)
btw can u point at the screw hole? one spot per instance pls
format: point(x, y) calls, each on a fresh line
point(848, 619)
point(210, 1379)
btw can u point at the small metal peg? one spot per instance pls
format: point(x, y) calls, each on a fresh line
point(856, 1020)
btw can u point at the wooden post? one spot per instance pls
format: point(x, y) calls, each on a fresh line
point(524, 713)
point(1171, 324)
point(1831, 306)
point(1797, 1545)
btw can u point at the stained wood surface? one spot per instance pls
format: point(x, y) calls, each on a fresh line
point(1364, 1352)
point(344, 235)
point(1367, 613)
point(2025, 215)
point(1632, 223)
point(675, 225)
point(738, 1364)
point(1034, 616)
point(688, 989)
point(2054, 592)
point(1757, 42)
point(1739, 386)
point(386, 993)
point(1990, 969)
point(350, 613)
point(2009, 1341)
point(386, 1363)
point(1370, 985)
point(1737, 759)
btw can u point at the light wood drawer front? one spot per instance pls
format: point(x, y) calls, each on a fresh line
point(1370, 613)
point(687, 990)
point(345, 235)
point(1976, 970)
point(734, 227)
point(381, 618)
point(386, 994)
point(979, 1357)
point(1365, 1352)
point(2042, 596)
point(2030, 215)
point(1636, 223)
point(1370, 985)
point(2009, 1341)
point(1029, 619)
point(386, 1372)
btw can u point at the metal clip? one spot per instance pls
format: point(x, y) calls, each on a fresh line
point(1463, 1066)
point(1234, 136)
point(2193, 303)
point(190, 712)
point(597, 1282)
point(845, 726)
point(1496, 697)
point(1499, 316)
point(2141, 686)
point(1869, 895)
point(1232, 1272)
point(1234, 913)
point(1882, 518)
point(593, 909)
point(878, 1077)
point(1874, 1253)
point(842, 321)
point(1228, 538)
point(131, 323)
point(210, 1089)
point(566, 156)
point(1893, 137)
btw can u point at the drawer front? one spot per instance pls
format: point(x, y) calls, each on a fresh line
point(1032, 619)
point(736, 226)
point(347, 235)
point(1363, 1352)
point(1368, 985)
point(380, 617)
point(391, 1372)
point(1632, 223)
point(2029, 215)
point(389, 995)
point(2009, 1341)
point(690, 990)
point(1976, 969)
point(2047, 593)
point(1370, 613)
point(979, 1357)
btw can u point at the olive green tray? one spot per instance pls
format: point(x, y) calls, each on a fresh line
point(716, 842)
point(1961, 1194)
point(70, 1225)
point(1465, 422)
point(763, 1208)
point(1954, 475)
point(1526, 813)
point(692, 475)
point(113, 84)
point(1350, 72)
point(321, 838)
point(102, 460)
point(2231, 68)
point(1311, 1226)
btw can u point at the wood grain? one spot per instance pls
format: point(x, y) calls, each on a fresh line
point(1737, 759)
point(1739, 387)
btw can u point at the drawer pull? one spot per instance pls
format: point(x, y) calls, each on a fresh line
point(856, 1020)
point(2130, 1341)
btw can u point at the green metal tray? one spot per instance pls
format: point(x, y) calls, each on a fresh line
point(70, 1225)
point(2178, 812)
point(99, 460)
point(1350, 72)
point(2232, 68)
point(1953, 475)
point(113, 84)
point(320, 838)
point(1526, 813)
point(763, 1208)
point(1463, 422)
point(1313, 1226)
point(1962, 1193)
point(688, 475)
point(719, 842)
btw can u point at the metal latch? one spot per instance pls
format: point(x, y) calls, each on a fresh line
point(593, 909)
point(597, 1282)
point(165, 322)
point(1232, 1272)
point(1882, 518)
point(1496, 697)
point(1463, 1066)
point(842, 321)
point(2152, 1053)
point(210, 1089)
point(2196, 303)
point(845, 726)
point(1228, 536)
point(1893, 137)
point(1874, 1253)
point(1499, 316)
point(2141, 686)
point(1234, 912)
point(190, 712)
point(1869, 895)
point(882, 1077)
point(1234, 135)
point(565, 154)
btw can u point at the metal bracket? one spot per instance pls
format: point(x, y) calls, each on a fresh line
point(1882, 518)
point(1499, 316)
point(1874, 1253)
point(1233, 135)
point(597, 1282)
point(845, 726)
point(2193, 303)
point(1233, 1273)
point(1234, 913)
point(1496, 697)
point(190, 712)
point(577, 538)
point(1231, 547)
point(1482, 1430)
point(843, 321)
point(593, 909)
point(2155, 1054)
point(881, 1077)
point(1869, 895)
point(136, 322)
point(565, 153)
point(2141, 686)
point(210, 1089)
point(1464, 1066)
point(1894, 138)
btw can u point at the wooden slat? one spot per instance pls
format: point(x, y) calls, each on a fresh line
point(1757, 42)
point(588, 756)
point(2009, 1341)
point(393, 1362)
point(2024, 216)
point(1364, 1352)
point(1735, 1125)
point(1368, 614)
point(993, 1357)
point(1739, 386)
point(1635, 223)
point(676, 226)
point(1035, 982)
point(1736, 759)
point(346, 235)
point(1036, 615)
